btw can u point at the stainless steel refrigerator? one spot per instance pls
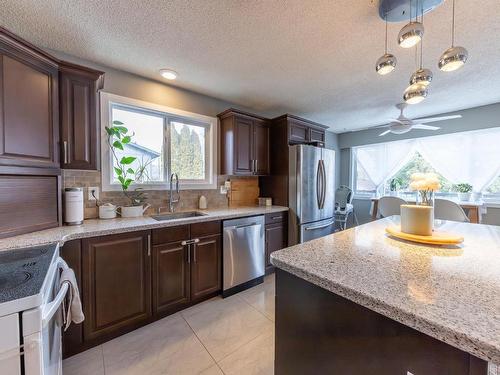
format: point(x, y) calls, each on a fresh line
point(311, 192)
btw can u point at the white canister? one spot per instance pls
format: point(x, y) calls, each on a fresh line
point(73, 206)
point(417, 220)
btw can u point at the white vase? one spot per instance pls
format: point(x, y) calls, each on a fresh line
point(417, 219)
point(464, 197)
point(133, 211)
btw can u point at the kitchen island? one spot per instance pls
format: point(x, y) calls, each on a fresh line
point(360, 302)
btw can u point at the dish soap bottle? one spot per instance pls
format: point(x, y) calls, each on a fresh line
point(202, 203)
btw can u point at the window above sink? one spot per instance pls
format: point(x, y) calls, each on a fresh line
point(165, 140)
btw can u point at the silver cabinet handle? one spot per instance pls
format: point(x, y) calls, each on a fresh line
point(275, 217)
point(149, 245)
point(189, 242)
point(256, 166)
point(65, 152)
point(320, 226)
point(189, 253)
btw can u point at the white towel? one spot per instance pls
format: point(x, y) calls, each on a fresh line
point(72, 305)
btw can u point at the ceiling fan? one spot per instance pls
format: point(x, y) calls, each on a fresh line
point(403, 124)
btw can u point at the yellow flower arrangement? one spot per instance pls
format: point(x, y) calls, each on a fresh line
point(425, 184)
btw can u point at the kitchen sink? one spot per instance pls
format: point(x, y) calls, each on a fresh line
point(178, 215)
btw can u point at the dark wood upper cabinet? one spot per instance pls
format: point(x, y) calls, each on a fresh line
point(79, 111)
point(29, 116)
point(244, 144)
point(206, 266)
point(171, 277)
point(300, 130)
point(117, 284)
point(297, 132)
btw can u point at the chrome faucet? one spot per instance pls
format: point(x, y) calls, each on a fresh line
point(171, 199)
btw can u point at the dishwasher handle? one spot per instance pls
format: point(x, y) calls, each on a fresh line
point(242, 226)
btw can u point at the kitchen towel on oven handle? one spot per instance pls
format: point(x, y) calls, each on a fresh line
point(72, 304)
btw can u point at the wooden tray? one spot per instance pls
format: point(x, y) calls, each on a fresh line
point(437, 238)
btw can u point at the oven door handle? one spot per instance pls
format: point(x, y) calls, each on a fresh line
point(52, 307)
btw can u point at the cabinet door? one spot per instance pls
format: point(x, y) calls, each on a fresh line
point(28, 111)
point(171, 277)
point(206, 266)
point(79, 130)
point(117, 284)
point(316, 135)
point(276, 235)
point(261, 148)
point(72, 338)
point(297, 132)
point(243, 150)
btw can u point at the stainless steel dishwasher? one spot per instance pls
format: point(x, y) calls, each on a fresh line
point(243, 254)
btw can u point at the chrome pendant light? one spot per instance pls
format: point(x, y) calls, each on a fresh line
point(422, 75)
point(387, 62)
point(454, 57)
point(411, 34)
point(415, 93)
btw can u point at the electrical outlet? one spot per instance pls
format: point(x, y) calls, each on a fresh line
point(95, 190)
point(223, 189)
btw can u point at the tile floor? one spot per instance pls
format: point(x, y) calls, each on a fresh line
point(219, 336)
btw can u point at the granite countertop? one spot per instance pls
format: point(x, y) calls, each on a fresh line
point(451, 294)
point(96, 227)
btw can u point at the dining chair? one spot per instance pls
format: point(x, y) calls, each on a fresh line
point(388, 206)
point(444, 209)
point(344, 207)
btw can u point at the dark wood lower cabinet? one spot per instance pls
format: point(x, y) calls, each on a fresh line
point(71, 252)
point(338, 336)
point(171, 277)
point(206, 267)
point(276, 233)
point(116, 284)
point(131, 279)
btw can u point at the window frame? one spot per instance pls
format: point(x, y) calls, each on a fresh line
point(108, 100)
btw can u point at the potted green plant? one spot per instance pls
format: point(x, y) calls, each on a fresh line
point(394, 185)
point(464, 191)
point(118, 136)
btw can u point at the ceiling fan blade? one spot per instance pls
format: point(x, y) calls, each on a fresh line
point(425, 127)
point(433, 119)
point(397, 120)
point(384, 133)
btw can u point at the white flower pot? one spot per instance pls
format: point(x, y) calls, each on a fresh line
point(464, 197)
point(133, 211)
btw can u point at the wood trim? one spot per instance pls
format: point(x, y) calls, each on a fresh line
point(309, 123)
point(233, 111)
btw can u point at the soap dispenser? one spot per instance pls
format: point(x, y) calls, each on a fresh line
point(202, 203)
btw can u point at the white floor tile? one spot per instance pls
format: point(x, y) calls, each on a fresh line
point(225, 325)
point(254, 358)
point(89, 362)
point(168, 346)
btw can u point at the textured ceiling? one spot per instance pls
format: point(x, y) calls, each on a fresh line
point(312, 58)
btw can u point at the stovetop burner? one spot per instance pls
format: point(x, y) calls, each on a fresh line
point(22, 271)
point(14, 279)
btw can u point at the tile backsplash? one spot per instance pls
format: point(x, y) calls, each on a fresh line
point(156, 198)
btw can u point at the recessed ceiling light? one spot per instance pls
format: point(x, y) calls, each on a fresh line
point(168, 74)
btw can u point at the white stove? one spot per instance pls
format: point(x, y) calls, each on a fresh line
point(30, 313)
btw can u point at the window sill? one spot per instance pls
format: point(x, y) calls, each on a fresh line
point(163, 187)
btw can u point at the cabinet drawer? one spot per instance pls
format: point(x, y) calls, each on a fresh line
point(205, 229)
point(276, 217)
point(171, 234)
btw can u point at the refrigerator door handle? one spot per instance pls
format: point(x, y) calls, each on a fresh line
point(323, 181)
point(320, 226)
point(318, 184)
